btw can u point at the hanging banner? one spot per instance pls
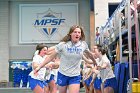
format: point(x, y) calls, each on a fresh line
point(46, 23)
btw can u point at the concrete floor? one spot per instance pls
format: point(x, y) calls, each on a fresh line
point(23, 90)
point(15, 90)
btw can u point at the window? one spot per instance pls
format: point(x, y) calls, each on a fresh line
point(111, 8)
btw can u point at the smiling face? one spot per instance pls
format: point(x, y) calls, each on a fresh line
point(76, 35)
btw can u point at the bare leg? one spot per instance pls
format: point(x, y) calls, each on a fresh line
point(46, 89)
point(91, 89)
point(74, 88)
point(108, 90)
point(38, 89)
point(53, 87)
point(62, 89)
point(86, 88)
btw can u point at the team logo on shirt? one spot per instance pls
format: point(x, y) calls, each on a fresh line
point(49, 22)
point(74, 50)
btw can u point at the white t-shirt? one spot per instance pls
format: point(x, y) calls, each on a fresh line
point(55, 72)
point(98, 64)
point(49, 72)
point(42, 71)
point(106, 73)
point(71, 54)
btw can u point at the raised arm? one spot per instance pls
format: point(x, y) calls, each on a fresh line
point(50, 50)
point(89, 54)
point(87, 60)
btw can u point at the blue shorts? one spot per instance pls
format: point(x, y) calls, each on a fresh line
point(88, 81)
point(34, 82)
point(97, 83)
point(45, 83)
point(51, 78)
point(48, 81)
point(112, 82)
point(63, 80)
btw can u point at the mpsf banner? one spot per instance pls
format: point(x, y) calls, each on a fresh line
point(46, 23)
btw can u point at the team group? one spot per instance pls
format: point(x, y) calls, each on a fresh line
point(66, 66)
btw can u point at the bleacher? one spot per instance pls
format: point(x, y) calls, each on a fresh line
point(121, 71)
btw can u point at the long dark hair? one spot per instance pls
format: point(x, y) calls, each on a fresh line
point(68, 36)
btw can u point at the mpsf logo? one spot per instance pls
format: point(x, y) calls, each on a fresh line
point(49, 22)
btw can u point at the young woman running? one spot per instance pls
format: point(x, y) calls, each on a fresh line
point(70, 49)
